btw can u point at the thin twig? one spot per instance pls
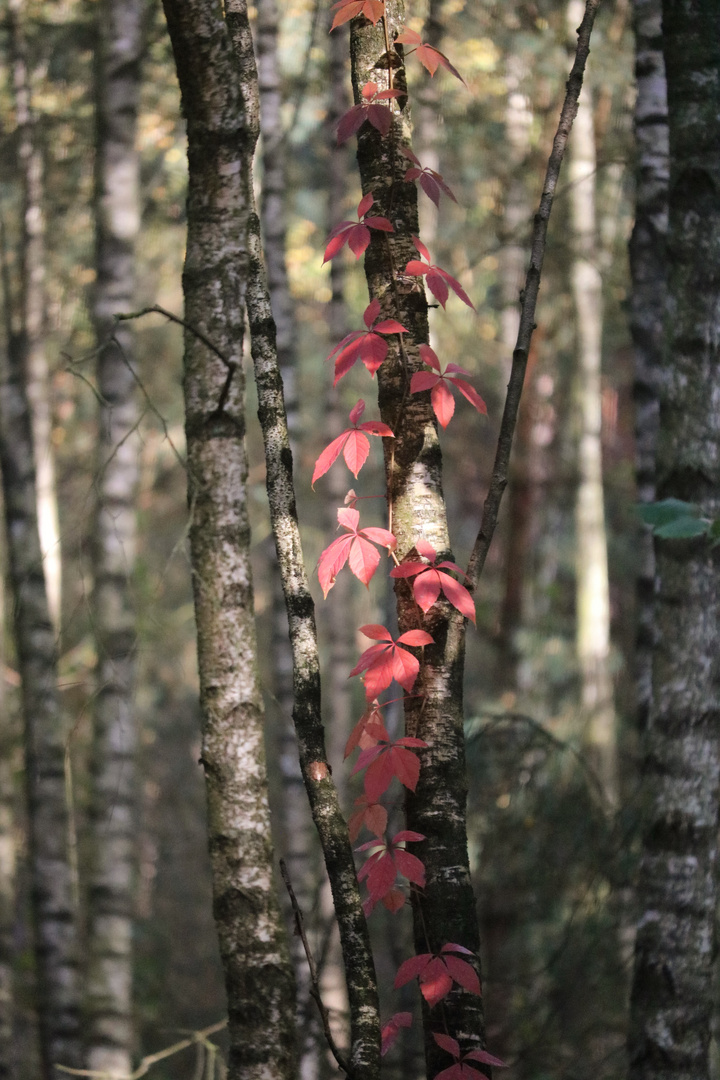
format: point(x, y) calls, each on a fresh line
point(152, 1059)
point(528, 302)
point(231, 365)
point(314, 978)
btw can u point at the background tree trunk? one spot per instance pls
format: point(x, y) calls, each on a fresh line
point(648, 268)
point(591, 567)
point(54, 915)
point(258, 972)
point(111, 885)
point(32, 305)
point(7, 857)
point(672, 995)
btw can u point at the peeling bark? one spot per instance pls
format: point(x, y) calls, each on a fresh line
point(672, 994)
point(109, 1030)
point(258, 973)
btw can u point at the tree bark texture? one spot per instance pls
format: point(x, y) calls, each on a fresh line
point(7, 863)
point(672, 994)
point(446, 909)
point(591, 563)
point(32, 308)
point(324, 802)
point(109, 1026)
point(258, 972)
point(58, 989)
point(648, 269)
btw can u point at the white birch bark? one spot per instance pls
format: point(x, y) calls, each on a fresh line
point(109, 1024)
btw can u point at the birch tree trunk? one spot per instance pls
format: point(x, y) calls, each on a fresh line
point(109, 1026)
point(7, 859)
point(437, 810)
point(648, 268)
point(58, 990)
point(675, 952)
point(591, 564)
point(32, 306)
point(258, 972)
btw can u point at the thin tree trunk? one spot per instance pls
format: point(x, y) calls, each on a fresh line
point(109, 1026)
point(446, 912)
point(672, 997)
point(327, 815)
point(32, 305)
point(647, 305)
point(258, 973)
point(7, 859)
point(513, 258)
point(58, 988)
point(591, 564)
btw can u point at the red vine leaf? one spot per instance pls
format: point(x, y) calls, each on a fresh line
point(367, 346)
point(391, 1029)
point(386, 860)
point(380, 116)
point(386, 760)
point(430, 181)
point(348, 9)
point(438, 279)
point(387, 660)
point(369, 815)
point(436, 381)
point(368, 731)
point(357, 547)
point(430, 57)
point(431, 578)
point(353, 444)
point(436, 973)
point(356, 234)
point(461, 1071)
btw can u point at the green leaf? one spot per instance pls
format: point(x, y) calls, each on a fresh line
point(666, 511)
point(714, 532)
point(682, 528)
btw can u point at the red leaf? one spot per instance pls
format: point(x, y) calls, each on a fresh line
point(348, 9)
point(405, 765)
point(415, 268)
point(458, 596)
point(328, 457)
point(380, 223)
point(358, 239)
point(356, 450)
point(443, 403)
point(371, 312)
point(356, 412)
point(435, 982)
point(390, 326)
point(405, 669)
point(365, 204)
point(394, 900)
point(446, 1042)
point(485, 1058)
point(462, 973)
point(470, 393)
point(407, 834)
point(416, 637)
point(368, 731)
point(332, 561)
point(380, 117)
point(426, 589)
point(411, 969)
point(419, 246)
point(437, 285)
point(429, 357)
point(409, 37)
point(391, 1029)
point(412, 868)
point(350, 122)
point(376, 632)
point(364, 559)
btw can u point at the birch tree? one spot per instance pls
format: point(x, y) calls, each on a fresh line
point(672, 994)
point(258, 974)
point(109, 1027)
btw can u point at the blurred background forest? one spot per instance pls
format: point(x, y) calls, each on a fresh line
point(552, 817)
